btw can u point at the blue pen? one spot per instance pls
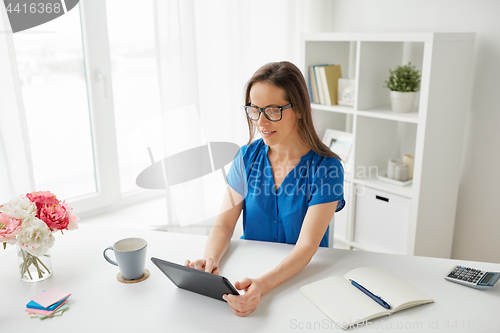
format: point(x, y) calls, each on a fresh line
point(374, 297)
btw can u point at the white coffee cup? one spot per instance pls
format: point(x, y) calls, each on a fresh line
point(391, 167)
point(130, 254)
point(401, 172)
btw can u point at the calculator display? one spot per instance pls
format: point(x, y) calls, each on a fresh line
point(487, 278)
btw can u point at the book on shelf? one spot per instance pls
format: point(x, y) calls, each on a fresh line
point(348, 306)
point(317, 79)
point(313, 90)
point(331, 83)
point(324, 83)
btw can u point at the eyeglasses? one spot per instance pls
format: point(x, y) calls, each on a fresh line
point(273, 113)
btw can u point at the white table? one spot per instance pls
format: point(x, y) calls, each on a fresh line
point(99, 303)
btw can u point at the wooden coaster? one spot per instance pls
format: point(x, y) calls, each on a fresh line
point(144, 277)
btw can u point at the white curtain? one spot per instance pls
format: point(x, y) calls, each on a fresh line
point(207, 50)
point(16, 174)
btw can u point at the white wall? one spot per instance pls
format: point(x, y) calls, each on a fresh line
point(477, 228)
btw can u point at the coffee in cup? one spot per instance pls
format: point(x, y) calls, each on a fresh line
point(130, 254)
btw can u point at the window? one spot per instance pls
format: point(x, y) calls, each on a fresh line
point(75, 113)
point(90, 87)
point(52, 71)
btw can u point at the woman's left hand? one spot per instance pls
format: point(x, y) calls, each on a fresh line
point(243, 305)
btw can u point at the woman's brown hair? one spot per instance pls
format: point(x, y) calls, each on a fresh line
point(288, 77)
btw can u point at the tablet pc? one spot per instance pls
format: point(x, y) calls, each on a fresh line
point(194, 280)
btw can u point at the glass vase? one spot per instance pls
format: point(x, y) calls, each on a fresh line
point(33, 268)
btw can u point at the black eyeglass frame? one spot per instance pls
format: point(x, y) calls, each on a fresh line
point(263, 110)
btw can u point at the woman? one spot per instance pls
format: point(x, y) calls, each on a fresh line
point(288, 184)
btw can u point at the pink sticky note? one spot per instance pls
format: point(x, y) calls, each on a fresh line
point(43, 312)
point(50, 297)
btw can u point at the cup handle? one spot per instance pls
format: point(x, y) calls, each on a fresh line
point(107, 258)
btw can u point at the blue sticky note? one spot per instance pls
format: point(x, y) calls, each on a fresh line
point(34, 305)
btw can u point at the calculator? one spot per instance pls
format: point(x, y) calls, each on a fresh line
point(471, 277)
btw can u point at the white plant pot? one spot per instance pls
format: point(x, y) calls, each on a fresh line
point(402, 101)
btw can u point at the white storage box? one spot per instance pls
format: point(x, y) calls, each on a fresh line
point(381, 220)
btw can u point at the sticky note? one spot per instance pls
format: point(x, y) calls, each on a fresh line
point(33, 305)
point(44, 312)
point(50, 297)
point(58, 312)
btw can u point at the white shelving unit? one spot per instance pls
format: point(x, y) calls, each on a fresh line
point(418, 219)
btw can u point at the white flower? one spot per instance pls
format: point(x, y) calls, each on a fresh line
point(35, 237)
point(19, 208)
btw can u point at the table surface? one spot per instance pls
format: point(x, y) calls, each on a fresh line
point(100, 303)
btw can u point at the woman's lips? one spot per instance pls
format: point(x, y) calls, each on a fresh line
point(266, 134)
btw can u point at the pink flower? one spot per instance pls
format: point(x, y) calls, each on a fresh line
point(9, 228)
point(42, 198)
point(72, 225)
point(54, 216)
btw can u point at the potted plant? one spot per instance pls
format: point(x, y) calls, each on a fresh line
point(404, 82)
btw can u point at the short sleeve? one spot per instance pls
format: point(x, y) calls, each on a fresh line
point(237, 178)
point(328, 184)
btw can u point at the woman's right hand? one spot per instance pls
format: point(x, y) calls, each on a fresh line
point(208, 265)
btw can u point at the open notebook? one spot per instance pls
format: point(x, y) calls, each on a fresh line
point(346, 305)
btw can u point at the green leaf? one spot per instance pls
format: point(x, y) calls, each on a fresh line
point(404, 78)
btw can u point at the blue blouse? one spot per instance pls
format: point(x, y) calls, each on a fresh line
point(277, 216)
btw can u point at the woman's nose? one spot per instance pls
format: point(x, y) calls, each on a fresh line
point(262, 119)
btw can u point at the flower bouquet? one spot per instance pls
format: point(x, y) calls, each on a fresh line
point(30, 222)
